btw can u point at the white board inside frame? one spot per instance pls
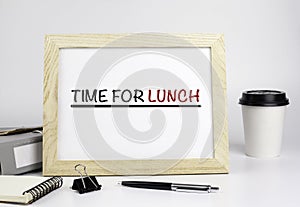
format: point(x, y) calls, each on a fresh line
point(72, 62)
point(143, 102)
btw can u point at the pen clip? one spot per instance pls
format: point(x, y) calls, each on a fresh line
point(192, 188)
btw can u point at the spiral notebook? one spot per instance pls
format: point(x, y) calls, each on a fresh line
point(25, 189)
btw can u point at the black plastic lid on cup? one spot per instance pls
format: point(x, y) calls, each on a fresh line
point(264, 98)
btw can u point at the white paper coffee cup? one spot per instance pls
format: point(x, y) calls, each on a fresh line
point(263, 118)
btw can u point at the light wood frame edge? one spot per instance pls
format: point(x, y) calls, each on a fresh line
point(52, 166)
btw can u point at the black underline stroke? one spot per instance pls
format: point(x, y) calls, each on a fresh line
point(133, 106)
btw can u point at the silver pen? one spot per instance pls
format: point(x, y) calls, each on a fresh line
point(191, 188)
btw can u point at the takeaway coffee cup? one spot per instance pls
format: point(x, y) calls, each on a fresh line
point(263, 117)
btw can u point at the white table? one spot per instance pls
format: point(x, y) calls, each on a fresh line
point(251, 182)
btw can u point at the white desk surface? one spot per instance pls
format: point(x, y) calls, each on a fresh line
point(251, 182)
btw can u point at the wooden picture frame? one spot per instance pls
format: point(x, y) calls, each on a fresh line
point(53, 43)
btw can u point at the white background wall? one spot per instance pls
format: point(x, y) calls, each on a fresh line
point(262, 40)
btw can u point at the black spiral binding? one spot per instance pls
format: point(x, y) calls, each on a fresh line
point(44, 188)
